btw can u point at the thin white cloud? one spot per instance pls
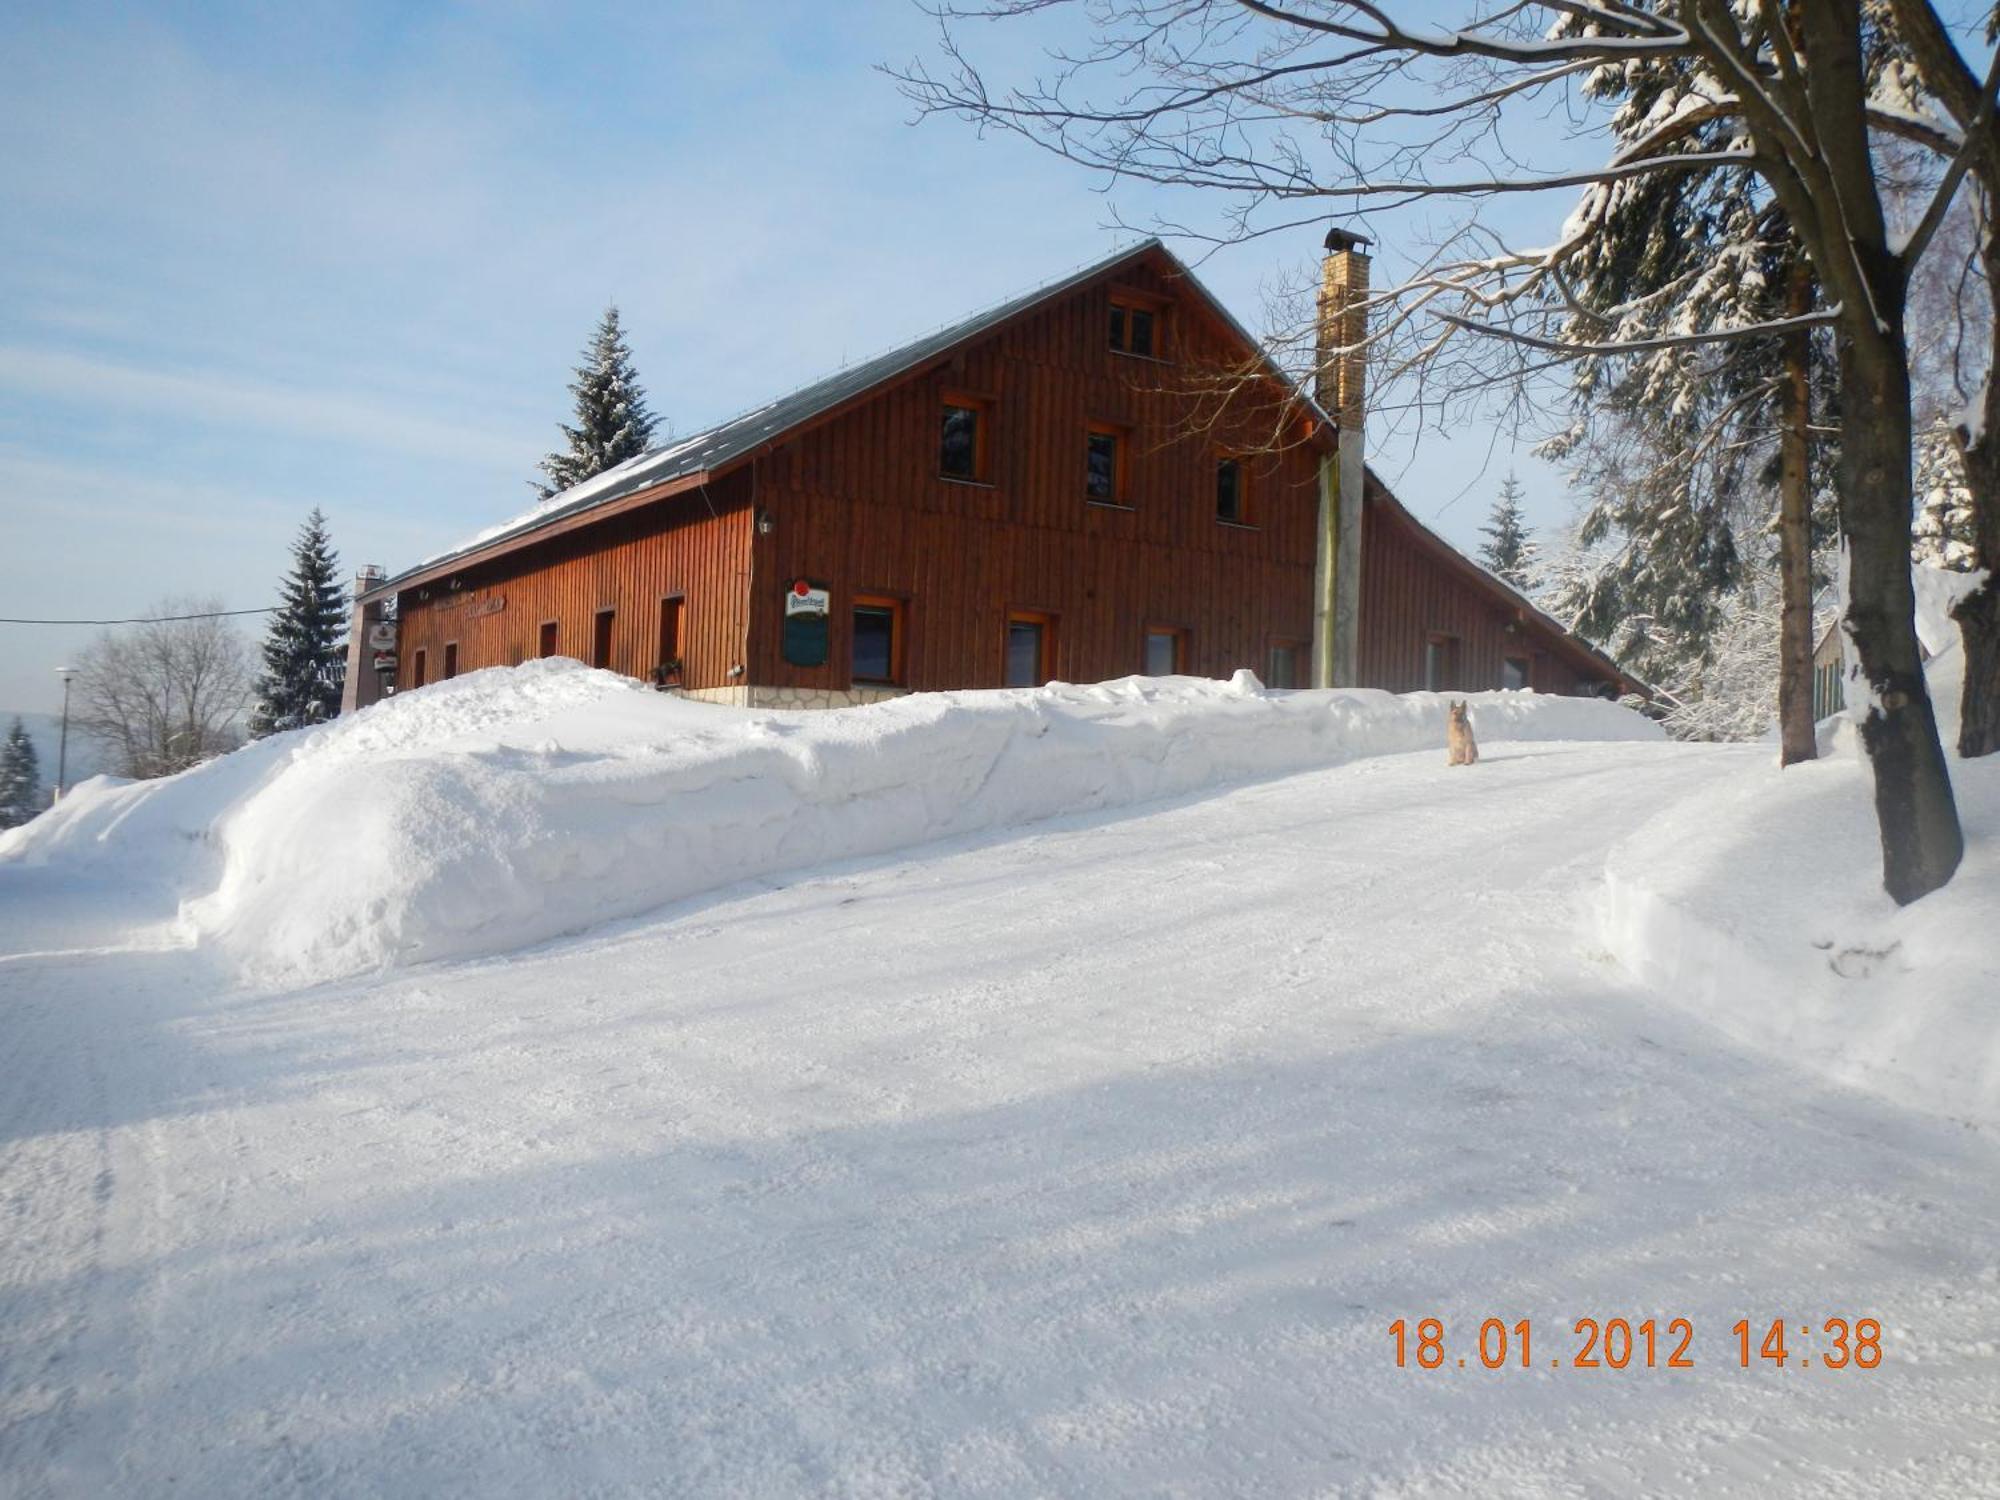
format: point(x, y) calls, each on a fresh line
point(332, 416)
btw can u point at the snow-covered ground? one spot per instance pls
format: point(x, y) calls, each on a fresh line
point(1090, 1157)
point(518, 804)
point(1725, 904)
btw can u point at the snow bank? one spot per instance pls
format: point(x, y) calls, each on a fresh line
point(512, 805)
point(1762, 910)
point(1938, 591)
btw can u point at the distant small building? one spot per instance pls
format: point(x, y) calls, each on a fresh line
point(1829, 694)
point(1050, 490)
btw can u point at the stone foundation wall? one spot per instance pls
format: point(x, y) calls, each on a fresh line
point(791, 698)
point(729, 697)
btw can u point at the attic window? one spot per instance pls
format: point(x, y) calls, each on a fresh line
point(1138, 325)
point(1229, 496)
point(964, 439)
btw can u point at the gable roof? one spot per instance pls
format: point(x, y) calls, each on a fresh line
point(691, 461)
point(685, 462)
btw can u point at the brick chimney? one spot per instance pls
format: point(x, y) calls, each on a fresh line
point(1340, 379)
point(1340, 370)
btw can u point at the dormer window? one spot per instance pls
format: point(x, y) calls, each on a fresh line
point(1138, 325)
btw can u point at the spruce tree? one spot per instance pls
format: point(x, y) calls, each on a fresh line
point(612, 419)
point(20, 778)
point(1941, 533)
point(1508, 551)
point(305, 652)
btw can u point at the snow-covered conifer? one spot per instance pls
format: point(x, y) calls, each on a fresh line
point(1941, 533)
point(1509, 549)
point(1731, 694)
point(305, 652)
point(613, 422)
point(20, 778)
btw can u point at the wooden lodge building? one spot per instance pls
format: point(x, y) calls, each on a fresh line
point(1052, 490)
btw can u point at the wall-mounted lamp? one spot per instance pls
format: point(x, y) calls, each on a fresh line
point(765, 525)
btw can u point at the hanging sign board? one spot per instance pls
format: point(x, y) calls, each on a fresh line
point(807, 604)
point(382, 636)
point(805, 597)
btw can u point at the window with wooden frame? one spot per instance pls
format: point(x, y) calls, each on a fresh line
point(1285, 657)
point(1105, 458)
point(1138, 324)
point(450, 660)
point(965, 438)
point(545, 639)
point(1514, 673)
point(417, 670)
point(1440, 662)
point(1166, 650)
point(1031, 648)
point(1232, 490)
point(670, 667)
point(876, 640)
point(600, 637)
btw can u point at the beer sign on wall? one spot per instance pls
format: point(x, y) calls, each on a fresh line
point(808, 605)
point(382, 642)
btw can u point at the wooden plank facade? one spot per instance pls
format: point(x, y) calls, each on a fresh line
point(1431, 618)
point(859, 503)
point(550, 598)
point(1162, 560)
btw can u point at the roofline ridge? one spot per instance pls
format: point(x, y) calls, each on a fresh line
point(1040, 288)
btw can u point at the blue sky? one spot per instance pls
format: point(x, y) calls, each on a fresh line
point(255, 259)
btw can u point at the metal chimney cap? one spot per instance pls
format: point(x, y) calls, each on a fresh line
point(1346, 239)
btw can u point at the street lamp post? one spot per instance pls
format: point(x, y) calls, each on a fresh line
point(62, 745)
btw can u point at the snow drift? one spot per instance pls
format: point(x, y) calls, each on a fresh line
point(516, 804)
point(1763, 911)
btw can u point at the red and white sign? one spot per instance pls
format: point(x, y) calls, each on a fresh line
point(804, 599)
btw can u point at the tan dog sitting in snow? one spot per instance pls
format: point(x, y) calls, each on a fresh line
point(1463, 748)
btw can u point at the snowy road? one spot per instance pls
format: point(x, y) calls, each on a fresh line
point(1096, 1160)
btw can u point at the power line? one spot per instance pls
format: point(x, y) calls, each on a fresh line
point(214, 614)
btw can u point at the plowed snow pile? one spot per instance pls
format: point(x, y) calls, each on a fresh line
point(512, 805)
point(1762, 909)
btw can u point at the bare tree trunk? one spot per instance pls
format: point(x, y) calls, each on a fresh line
point(1978, 615)
point(1795, 643)
point(1946, 71)
point(1914, 808)
point(1839, 218)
